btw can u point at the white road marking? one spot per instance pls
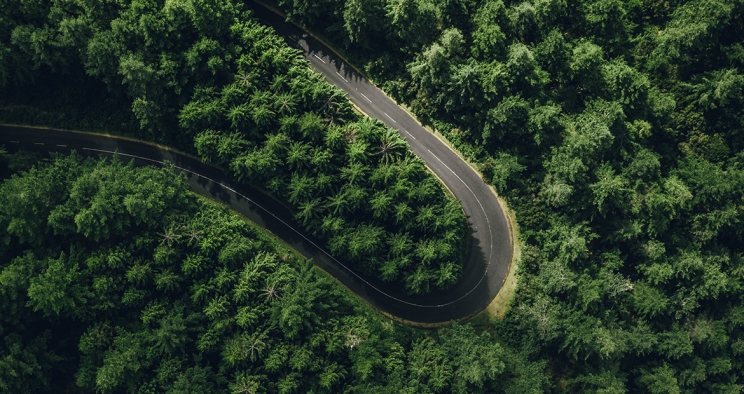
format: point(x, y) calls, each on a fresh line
point(62, 146)
point(295, 230)
point(389, 117)
point(319, 58)
point(320, 249)
point(342, 77)
point(485, 273)
point(16, 142)
point(482, 209)
point(487, 221)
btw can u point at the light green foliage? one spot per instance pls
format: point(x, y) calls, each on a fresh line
point(341, 174)
point(613, 130)
point(488, 38)
point(477, 359)
point(206, 76)
point(194, 299)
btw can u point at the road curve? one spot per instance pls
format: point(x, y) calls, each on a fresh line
point(490, 245)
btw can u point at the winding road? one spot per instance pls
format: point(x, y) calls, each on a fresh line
point(490, 252)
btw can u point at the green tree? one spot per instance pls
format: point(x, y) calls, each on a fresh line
point(364, 21)
point(412, 21)
point(475, 359)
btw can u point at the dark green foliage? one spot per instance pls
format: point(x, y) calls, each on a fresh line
point(95, 297)
point(206, 77)
point(614, 130)
point(340, 173)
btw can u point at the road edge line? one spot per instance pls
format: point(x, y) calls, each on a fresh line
point(279, 12)
point(511, 276)
point(113, 136)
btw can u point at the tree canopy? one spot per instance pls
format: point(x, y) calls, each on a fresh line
point(206, 77)
point(614, 131)
point(191, 298)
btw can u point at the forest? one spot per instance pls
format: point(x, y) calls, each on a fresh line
point(207, 78)
point(612, 129)
point(117, 279)
point(615, 131)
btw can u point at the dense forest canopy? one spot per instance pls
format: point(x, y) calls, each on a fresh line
point(116, 279)
point(615, 130)
point(205, 77)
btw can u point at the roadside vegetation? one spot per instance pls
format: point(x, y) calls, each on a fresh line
point(205, 77)
point(116, 279)
point(615, 131)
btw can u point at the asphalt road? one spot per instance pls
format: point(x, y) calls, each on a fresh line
point(490, 245)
